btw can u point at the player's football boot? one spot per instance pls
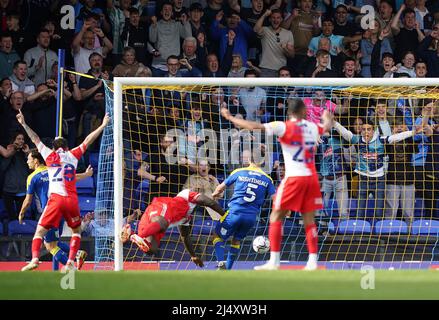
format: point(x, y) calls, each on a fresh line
point(310, 266)
point(143, 244)
point(267, 266)
point(125, 233)
point(81, 255)
point(70, 266)
point(221, 265)
point(31, 265)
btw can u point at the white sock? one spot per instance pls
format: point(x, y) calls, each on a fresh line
point(274, 258)
point(312, 258)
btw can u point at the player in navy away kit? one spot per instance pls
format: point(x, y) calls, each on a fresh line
point(252, 185)
point(38, 187)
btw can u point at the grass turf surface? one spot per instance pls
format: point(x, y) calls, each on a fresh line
point(322, 284)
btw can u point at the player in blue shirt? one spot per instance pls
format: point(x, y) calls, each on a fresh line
point(37, 187)
point(252, 185)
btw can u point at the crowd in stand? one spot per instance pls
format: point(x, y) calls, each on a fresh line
point(220, 38)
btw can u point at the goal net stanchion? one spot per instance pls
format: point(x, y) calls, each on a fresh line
point(132, 153)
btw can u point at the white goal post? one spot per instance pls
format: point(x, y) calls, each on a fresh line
point(120, 82)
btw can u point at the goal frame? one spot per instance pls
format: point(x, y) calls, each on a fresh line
point(119, 82)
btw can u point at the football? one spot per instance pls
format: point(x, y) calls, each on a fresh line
point(261, 244)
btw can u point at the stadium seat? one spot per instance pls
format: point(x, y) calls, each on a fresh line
point(353, 206)
point(85, 186)
point(331, 227)
point(288, 226)
point(354, 227)
point(203, 226)
point(86, 203)
point(27, 228)
point(3, 213)
point(370, 211)
point(390, 227)
point(331, 208)
point(1, 228)
point(425, 227)
point(419, 204)
point(93, 158)
point(220, 178)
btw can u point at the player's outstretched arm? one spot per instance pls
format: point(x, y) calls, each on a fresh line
point(95, 134)
point(185, 233)
point(32, 135)
point(219, 191)
point(327, 120)
point(241, 123)
point(88, 173)
point(205, 201)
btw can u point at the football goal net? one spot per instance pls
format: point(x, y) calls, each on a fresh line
point(379, 186)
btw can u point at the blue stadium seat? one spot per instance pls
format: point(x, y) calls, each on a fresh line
point(353, 206)
point(331, 208)
point(370, 212)
point(27, 228)
point(85, 186)
point(354, 227)
point(220, 178)
point(425, 227)
point(93, 158)
point(390, 227)
point(1, 228)
point(203, 226)
point(331, 227)
point(419, 204)
point(3, 213)
point(288, 226)
point(86, 203)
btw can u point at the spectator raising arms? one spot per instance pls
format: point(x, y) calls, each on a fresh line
point(165, 34)
point(337, 42)
point(431, 57)
point(277, 43)
point(409, 35)
point(83, 46)
point(370, 38)
point(243, 33)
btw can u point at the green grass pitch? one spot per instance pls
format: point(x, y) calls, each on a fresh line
point(322, 284)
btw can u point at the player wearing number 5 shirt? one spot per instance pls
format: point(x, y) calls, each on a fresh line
point(63, 199)
point(299, 190)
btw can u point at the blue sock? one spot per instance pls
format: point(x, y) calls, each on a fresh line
point(219, 249)
point(59, 255)
point(231, 257)
point(55, 264)
point(64, 247)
